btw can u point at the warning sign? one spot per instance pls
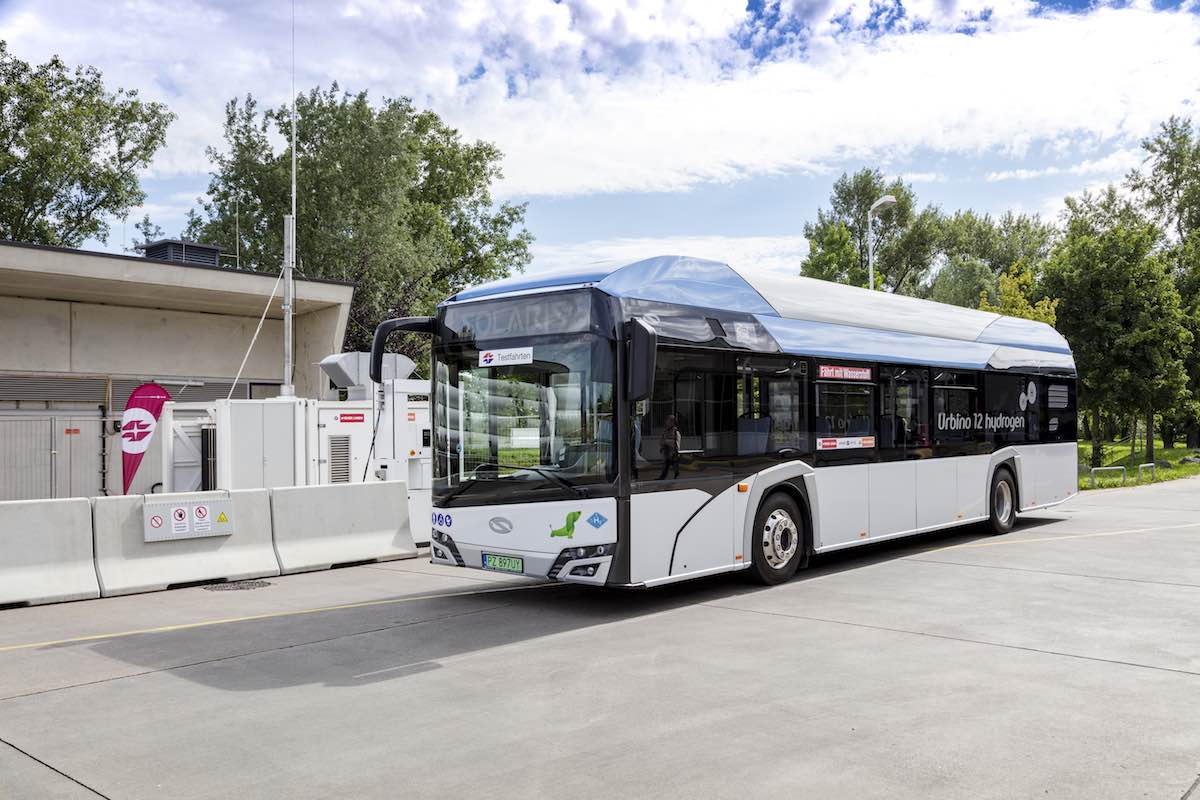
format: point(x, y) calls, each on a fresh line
point(201, 521)
point(179, 519)
point(352, 417)
point(165, 521)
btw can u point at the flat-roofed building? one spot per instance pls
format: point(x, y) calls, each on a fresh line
point(81, 329)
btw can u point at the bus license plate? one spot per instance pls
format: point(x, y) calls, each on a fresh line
point(503, 563)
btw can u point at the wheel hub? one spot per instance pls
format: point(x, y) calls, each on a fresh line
point(780, 538)
point(1003, 501)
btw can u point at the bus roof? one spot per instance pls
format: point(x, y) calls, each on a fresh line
point(817, 317)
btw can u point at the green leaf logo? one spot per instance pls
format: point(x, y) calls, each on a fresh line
point(568, 529)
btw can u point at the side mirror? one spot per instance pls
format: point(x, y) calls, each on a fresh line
point(386, 329)
point(643, 350)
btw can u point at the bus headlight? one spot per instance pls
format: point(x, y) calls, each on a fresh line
point(576, 553)
point(448, 551)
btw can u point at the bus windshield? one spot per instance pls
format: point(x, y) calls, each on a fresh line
point(531, 414)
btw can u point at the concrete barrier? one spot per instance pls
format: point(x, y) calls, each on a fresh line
point(319, 526)
point(126, 562)
point(46, 551)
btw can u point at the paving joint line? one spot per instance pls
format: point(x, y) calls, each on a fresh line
point(236, 656)
point(53, 768)
point(1161, 509)
point(1053, 572)
point(962, 639)
point(1005, 540)
point(1191, 792)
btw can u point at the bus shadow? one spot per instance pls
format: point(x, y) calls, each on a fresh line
point(904, 546)
point(403, 636)
point(396, 638)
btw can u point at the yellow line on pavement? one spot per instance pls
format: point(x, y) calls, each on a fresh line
point(999, 542)
point(272, 615)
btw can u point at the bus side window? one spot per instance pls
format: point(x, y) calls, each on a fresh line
point(904, 411)
point(772, 412)
point(1007, 414)
point(845, 409)
point(1058, 408)
point(956, 408)
point(687, 426)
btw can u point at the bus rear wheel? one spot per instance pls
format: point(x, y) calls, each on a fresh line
point(778, 542)
point(1002, 502)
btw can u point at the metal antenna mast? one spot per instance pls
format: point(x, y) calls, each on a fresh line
point(289, 244)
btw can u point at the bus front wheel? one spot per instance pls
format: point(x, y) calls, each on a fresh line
point(778, 543)
point(1002, 501)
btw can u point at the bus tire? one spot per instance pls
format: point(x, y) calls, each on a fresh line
point(1002, 501)
point(778, 541)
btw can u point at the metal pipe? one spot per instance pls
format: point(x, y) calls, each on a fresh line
point(289, 255)
point(870, 256)
point(880, 205)
point(288, 389)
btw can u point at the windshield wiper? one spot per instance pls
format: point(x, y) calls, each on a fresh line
point(545, 473)
point(457, 490)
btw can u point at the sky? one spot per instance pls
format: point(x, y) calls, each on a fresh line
point(634, 128)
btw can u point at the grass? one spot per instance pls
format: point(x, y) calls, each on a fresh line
point(1119, 455)
point(509, 456)
point(519, 456)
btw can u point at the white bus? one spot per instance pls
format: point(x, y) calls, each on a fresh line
point(675, 417)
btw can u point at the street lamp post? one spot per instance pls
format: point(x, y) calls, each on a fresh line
point(882, 204)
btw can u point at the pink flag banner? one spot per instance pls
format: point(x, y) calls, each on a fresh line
point(137, 427)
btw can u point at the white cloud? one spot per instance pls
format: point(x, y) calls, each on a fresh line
point(592, 96)
point(922, 177)
point(1114, 165)
point(1053, 207)
point(1108, 76)
point(779, 253)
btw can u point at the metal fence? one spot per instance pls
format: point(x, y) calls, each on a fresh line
point(51, 456)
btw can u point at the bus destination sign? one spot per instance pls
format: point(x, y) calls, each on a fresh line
point(839, 372)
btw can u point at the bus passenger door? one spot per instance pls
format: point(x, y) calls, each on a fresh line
point(844, 413)
point(903, 444)
point(682, 504)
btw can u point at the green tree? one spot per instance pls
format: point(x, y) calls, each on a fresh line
point(962, 281)
point(1014, 289)
point(388, 197)
point(71, 151)
point(1022, 238)
point(1169, 181)
point(977, 253)
point(1120, 310)
point(904, 239)
point(831, 254)
point(1169, 185)
point(148, 230)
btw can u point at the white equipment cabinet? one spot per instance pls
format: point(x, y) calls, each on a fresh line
point(404, 447)
point(252, 444)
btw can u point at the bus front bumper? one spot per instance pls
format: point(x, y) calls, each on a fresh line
point(582, 564)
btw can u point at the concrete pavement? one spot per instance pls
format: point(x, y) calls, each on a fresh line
point(1062, 660)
